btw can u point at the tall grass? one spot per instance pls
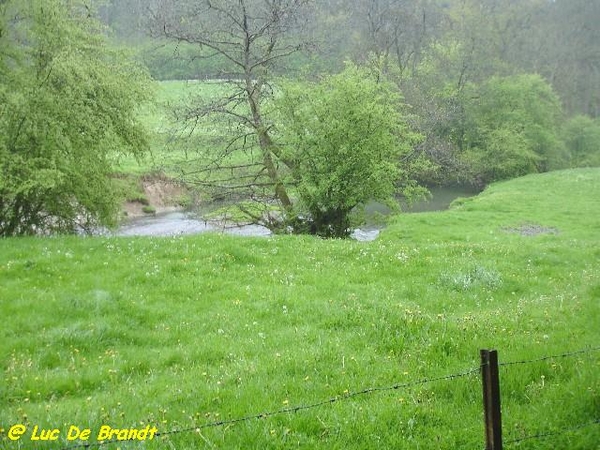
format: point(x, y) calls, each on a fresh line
point(184, 331)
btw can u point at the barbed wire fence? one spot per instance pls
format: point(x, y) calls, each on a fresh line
point(372, 390)
point(296, 409)
point(554, 433)
point(563, 430)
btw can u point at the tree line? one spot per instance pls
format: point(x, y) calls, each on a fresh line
point(468, 40)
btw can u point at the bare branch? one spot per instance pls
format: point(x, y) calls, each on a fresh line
point(253, 36)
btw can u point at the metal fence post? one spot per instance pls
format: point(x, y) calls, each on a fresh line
point(491, 399)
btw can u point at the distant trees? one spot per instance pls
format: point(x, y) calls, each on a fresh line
point(566, 51)
point(398, 30)
point(558, 39)
point(581, 136)
point(484, 53)
point(67, 108)
point(511, 128)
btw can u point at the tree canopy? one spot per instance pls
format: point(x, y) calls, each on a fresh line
point(347, 142)
point(68, 107)
point(511, 128)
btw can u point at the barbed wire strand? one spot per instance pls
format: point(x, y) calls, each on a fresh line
point(350, 395)
point(554, 433)
point(293, 409)
point(545, 358)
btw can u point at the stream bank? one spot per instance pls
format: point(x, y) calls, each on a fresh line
point(169, 220)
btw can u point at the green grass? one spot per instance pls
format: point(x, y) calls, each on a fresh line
point(175, 144)
point(181, 332)
point(183, 150)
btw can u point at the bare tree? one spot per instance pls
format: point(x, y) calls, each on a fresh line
point(399, 29)
point(254, 37)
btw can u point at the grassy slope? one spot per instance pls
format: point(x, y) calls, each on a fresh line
point(174, 145)
point(178, 332)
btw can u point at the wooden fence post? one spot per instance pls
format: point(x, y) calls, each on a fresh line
point(491, 399)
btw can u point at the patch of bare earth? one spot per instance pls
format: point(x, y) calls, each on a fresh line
point(531, 230)
point(163, 196)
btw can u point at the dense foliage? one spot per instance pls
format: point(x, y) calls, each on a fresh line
point(68, 106)
point(582, 137)
point(511, 128)
point(345, 139)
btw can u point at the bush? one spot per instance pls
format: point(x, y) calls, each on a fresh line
point(344, 140)
point(581, 135)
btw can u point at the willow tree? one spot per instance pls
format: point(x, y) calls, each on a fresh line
point(67, 108)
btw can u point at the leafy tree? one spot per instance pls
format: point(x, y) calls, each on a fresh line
point(511, 128)
point(348, 143)
point(581, 135)
point(67, 107)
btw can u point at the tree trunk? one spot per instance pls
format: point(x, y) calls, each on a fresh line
point(253, 91)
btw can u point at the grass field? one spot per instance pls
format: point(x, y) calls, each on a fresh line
point(182, 150)
point(178, 333)
point(174, 143)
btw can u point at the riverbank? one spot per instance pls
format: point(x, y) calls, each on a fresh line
point(157, 210)
point(187, 331)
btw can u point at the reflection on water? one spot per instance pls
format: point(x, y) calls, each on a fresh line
point(441, 198)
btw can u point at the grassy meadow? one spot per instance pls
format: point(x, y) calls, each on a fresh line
point(183, 332)
point(174, 143)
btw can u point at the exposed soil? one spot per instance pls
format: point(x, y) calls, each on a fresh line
point(162, 196)
point(531, 230)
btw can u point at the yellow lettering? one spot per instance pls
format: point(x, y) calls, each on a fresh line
point(125, 434)
point(104, 433)
point(44, 435)
point(122, 434)
point(143, 434)
point(76, 433)
point(34, 436)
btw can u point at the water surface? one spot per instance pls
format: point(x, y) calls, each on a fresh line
point(184, 223)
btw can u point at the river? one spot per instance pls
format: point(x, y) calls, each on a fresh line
point(182, 223)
